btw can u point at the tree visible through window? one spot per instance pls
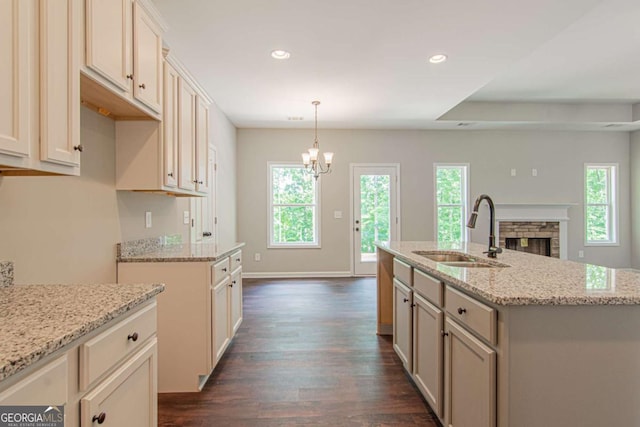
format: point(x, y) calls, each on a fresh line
point(375, 211)
point(293, 207)
point(600, 204)
point(451, 202)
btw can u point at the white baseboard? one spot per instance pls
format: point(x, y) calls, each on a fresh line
point(295, 274)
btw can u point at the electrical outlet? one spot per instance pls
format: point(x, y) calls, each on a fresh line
point(580, 254)
point(534, 172)
point(147, 219)
point(185, 217)
point(513, 172)
point(256, 256)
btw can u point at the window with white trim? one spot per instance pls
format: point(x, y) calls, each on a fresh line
point(600, 204)
point(294, 214)
point(451, 182)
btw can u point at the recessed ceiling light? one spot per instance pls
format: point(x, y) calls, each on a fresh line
point(280, 54)
point(438, 58)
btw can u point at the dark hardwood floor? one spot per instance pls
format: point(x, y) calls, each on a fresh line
point(306, 355)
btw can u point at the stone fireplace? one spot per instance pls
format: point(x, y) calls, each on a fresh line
point(537, 237)
point(533, 227)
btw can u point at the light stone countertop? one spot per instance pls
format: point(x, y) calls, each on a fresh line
point(529, 279)
point(37, 320)
point(6, 273)
point(182, 253)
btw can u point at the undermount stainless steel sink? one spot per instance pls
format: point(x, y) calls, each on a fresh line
point(446, 257)
point(460, 260)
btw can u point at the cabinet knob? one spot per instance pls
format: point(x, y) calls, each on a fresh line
point(133, 337)
point(130, 76)
point(238, 259)
point(142, 86)
point(413, 305)
point(206, 234)
point(444, 334)
point(170, 174)
point(195, 181)
point(232, 283)
point(461, 310)
point(406, 300)
point(224, 269)
point(78, 147)
point(99, 418)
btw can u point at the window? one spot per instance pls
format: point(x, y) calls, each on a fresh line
point(451, 202)
point(293, 208)
point(600, 210)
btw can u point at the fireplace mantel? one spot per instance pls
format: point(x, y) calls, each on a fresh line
point(551, 212)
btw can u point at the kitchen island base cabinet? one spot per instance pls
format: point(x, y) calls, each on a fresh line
point(402, 301)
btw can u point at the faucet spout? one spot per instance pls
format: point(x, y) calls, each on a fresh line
point(493, 250)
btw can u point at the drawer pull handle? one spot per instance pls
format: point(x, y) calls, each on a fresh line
point(78, 147)
point(406, 300)
point(461, 310)
point(130, 76)
point(444, 334)
point(142, 86)
point(133, 337)
point(99, 418)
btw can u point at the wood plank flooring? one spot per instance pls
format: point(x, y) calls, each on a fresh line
point(306, 355)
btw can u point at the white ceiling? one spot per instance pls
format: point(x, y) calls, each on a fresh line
point(367, 61)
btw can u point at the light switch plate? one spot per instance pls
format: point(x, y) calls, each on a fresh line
point(337, 214)
point(185, 217)
point(513, 172)
point(147, 219)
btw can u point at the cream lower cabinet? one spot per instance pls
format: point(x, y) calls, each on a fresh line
point(235, 300)
point(402, 319)
point(470, 379)
point(108, 376)
point(194, 320)
point(428, 362)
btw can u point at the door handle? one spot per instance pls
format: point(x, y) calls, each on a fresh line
point(357, 229)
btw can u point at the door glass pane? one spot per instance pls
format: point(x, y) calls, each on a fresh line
point(375, 214)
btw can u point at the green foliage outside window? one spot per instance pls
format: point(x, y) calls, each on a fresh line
point(450, 200)
point(375, 212)
point(598, 204)
point(294, 206)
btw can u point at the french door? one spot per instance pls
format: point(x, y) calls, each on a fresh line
point(375, 214)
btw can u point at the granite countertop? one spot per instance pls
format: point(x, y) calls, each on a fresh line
point(181, 253)
point(6, 273)
point(529, 279)
point(36, 320)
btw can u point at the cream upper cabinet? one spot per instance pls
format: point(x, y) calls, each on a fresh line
point(147, 59)
point(202, 145)
point(123, 52)
point(186, 136)
point(109, 41)
point(170, 124)
point(15, 74)
point(60, 82)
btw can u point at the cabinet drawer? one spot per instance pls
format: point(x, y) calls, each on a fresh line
point(236, 260)
point(402, 271)
point(46, 386)
point(477, 316)
point(220, 270)
point(428, 287)
point(104, 351)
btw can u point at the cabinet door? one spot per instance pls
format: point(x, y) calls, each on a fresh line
point(402, 335)
point(147, 59)
point(236, 301)
point(129, 396)
point(46, 386)
point(186, 136)
point(470, 379)
point(202, 146)
point(14, 77)
point(60, 82)
point(170, 123)
point(428, 362)
point(220, 318)
point(109, 35)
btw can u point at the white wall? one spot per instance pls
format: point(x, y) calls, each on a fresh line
point(64, 229)
point(559, 158)
point(635, 199)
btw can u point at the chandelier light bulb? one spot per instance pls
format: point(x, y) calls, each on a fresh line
point(313, 154)
point(305, 159)
point(328, 157)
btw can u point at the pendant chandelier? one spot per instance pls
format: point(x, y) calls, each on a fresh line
point(311, 160)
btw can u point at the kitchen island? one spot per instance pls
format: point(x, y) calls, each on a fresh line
point(531, 341)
